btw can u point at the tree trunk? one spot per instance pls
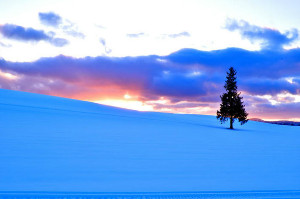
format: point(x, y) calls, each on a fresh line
point(231, 123)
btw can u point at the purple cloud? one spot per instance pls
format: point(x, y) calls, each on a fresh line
point(181, 34)
point(50, 19)
point(20, 33)
point(272, 38)
point(54, 20)
point(11, 31)
point(106, 48)
point(71, 28)
point(286, 110)
point(59, 42)
point(135, 35)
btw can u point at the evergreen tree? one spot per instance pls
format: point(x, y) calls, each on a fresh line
point(232, 105)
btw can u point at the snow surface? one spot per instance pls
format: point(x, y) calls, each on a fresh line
point(56, 144)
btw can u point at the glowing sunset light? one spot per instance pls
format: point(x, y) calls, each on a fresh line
point(134, 105)
point(8, 76)
point(127, 96)
point(269, 98)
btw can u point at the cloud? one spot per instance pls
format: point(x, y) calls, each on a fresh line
point(271, 38)
point(103, 42)
point(136, 35)
point(59, 42)
point(20, 33)
point(281, 111)
point(181, 34)
point(259, 64)
point(50, 19)
point(38, 84)
point(176, 35)
point(180, 105)
point(261, 86)
point(187, 75)
point(11, 31)
point(74, 33)
point(174, 84)
point(5, 45)
point(71, 28)
point(54, 20)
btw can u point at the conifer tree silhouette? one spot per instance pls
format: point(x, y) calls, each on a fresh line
point(232, 106)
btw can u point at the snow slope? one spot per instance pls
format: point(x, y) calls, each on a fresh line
point(56, 144)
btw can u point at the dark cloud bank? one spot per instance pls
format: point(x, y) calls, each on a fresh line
point(186, 75)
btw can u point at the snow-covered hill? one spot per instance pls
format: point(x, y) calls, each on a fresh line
point(56, 144)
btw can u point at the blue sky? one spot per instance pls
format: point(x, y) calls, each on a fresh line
point(167, 56)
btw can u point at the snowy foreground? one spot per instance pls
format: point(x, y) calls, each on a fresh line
point(56, 147)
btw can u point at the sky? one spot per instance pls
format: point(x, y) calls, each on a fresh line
point(168, 56)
